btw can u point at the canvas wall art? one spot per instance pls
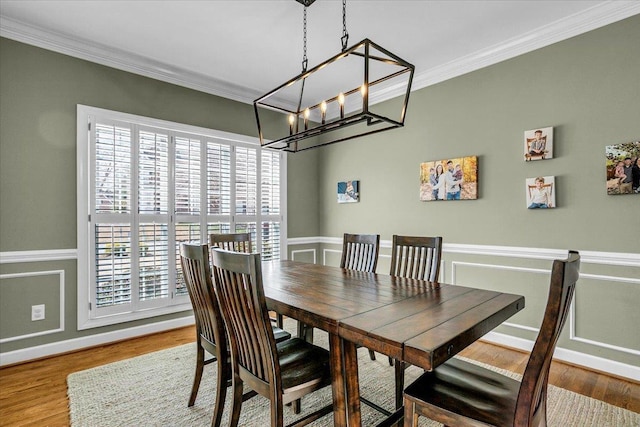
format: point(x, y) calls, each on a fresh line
point(538, 144)
point(541, 192)
point(449, 179)
point(623, 168)
point(348, 191)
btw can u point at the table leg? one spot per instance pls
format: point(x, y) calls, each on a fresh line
point(337, 381)
point(352, 383)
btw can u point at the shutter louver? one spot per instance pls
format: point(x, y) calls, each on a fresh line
point(218, 179)
point(153, 174)
point(112, 169)
point(270, 241)
point(113, 264)
point(154, 261)
point(187, 172)
point(246, 181)
point(270, 185)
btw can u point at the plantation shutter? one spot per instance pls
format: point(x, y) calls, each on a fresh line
point(149, 189)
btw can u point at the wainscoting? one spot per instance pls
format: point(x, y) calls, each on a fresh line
point(601, 332)
point(606, 298)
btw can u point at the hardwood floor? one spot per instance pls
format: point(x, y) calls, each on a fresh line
point(35, 393)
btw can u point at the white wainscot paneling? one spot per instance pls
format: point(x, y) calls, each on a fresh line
point(60, 328)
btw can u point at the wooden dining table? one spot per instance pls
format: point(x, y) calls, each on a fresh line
point(415, 321)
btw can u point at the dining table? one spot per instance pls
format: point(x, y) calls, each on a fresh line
point(418, 322)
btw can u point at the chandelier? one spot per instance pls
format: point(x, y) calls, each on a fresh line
point(337, 100)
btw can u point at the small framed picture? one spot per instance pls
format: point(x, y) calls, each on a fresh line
point(541, 192)
point(538, 144)
point(348, 191)
point(623, 168)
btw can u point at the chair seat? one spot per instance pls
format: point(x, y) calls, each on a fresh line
point(300, 363)
point(460, 387)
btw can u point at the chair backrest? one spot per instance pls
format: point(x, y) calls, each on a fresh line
point(197, 276)
point(235, 242)
point(533, 390)
point(360, 252)
point(416, 257)
point(240, 293)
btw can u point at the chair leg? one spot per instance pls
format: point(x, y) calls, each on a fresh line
point(399, 373)
point(410, 417)
point(372, 355)
point(277, 417)
point(390, 361)
point(297, 406)
point(224, 372)
point(279, 320)
point(237, 401)
point(198, 375)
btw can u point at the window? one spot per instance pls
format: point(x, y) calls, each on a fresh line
point(145, 186)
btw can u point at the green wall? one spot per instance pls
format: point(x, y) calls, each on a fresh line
point(39, 93)
point(587, 88)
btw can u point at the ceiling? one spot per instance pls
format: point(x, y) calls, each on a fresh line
point(241, 49)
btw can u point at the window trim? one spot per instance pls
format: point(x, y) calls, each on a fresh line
point(84, 181)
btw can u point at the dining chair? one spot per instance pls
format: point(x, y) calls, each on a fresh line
point(282, 372)
point(464, 394)
point(360, 253)
point(238, 242)
point(414, 257)
point(210, 333)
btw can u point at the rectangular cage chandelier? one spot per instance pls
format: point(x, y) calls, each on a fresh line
point(337, 100)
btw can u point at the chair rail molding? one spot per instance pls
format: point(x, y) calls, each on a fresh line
point(17, 257)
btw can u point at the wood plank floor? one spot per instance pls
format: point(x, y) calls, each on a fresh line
point(35, 393)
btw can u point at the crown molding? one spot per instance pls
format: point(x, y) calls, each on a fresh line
point(122, 60)
point(574, 25)
point(590, 19)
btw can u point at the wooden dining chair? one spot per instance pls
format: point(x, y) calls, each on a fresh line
point(282, 372)
point(360, 252)
point(210, 333)
point(238, 242)
point(414, 257)
point(459, 393)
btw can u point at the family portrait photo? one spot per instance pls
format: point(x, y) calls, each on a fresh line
point(449, 179)
point(623, 168)
point(538, 144)
point(540, 192)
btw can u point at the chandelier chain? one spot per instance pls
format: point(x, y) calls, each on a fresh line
point(305, 61)
point(345, 34)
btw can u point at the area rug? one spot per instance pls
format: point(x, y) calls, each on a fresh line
point(153, 390)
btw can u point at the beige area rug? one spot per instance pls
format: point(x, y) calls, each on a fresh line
point(153, 390)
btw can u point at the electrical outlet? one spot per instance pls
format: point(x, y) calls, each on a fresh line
point(37, 312)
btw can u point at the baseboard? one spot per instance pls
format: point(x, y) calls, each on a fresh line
point(60, 347)
point(610, 367)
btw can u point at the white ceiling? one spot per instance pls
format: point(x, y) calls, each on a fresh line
point(241, 49)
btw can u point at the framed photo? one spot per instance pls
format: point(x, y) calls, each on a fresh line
point(623, 168)
point(449, 179)
point(538, 144)
point(348, 191)
point(541, 192)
